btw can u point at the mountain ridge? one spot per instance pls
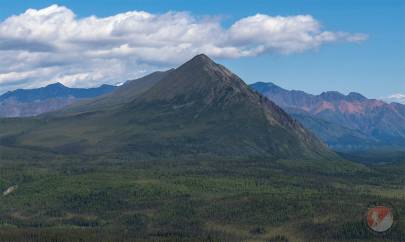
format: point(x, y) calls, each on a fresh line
point(32, 102)
point(55, 90)
point(365, 123)
point(123, 94)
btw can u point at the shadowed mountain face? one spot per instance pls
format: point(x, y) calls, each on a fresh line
point(32, 102)
point(343, 121)
point(199, 110)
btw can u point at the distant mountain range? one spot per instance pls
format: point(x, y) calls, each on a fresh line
point(31, 102)
point(344, 122)
point(200, 110)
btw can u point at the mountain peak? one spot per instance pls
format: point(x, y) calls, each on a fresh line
point(332, 96)
point(356, 96)
point(56, 85)
point(205, 97)
point(201, 58)
point(49, 98)
point(199, 76)
point(200, 61)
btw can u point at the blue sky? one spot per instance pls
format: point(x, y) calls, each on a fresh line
point(374, 67)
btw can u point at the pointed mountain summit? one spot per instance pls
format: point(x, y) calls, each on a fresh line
point(199, 79)
point(218, 114)
point(56, 85)
point(200, 110)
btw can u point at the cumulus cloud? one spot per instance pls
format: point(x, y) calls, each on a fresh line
point(53, 44)
point(398, 98)
point(284, 34)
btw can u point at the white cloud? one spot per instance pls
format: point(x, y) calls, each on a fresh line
point(285, 34)
point(53, 44)
point(398, 98)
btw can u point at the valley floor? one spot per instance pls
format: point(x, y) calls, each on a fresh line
point(72, 198)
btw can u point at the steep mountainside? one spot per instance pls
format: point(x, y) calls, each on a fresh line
point(199, 110)
point(343, 121)
point(31, 102)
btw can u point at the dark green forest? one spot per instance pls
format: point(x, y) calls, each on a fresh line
point(115, 198)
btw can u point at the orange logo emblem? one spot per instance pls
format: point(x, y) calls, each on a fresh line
point(380, 219)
